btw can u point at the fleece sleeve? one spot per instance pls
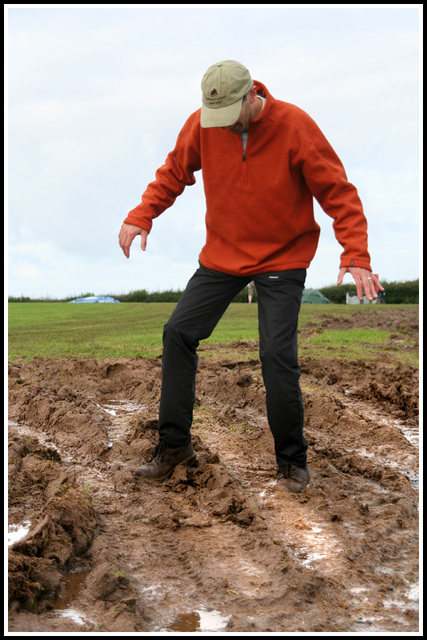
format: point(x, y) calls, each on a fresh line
point(172, 177)
point(326, 178)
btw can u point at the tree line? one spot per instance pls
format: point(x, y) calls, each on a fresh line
point(395, 293)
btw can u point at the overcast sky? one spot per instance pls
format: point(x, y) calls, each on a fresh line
point(97, 94)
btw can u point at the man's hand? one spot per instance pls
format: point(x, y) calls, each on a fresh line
point(128, 233)
point(364, 279)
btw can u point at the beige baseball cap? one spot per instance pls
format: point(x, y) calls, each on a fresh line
point(224, 86)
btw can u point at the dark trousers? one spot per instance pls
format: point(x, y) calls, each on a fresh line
point(198, 311)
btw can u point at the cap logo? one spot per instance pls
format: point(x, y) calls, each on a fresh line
point(214, 92)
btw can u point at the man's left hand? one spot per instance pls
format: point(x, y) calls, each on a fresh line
point(365, 281)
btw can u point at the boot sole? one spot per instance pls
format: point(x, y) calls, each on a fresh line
point(291, 487)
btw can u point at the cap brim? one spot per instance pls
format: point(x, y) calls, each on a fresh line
point(224, 117)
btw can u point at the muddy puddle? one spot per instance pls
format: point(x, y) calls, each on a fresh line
point(216, 548)
point(201, 620)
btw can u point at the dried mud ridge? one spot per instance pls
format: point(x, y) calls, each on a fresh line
point(215, 547)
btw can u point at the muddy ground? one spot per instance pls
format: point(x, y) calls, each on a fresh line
point(215, 548)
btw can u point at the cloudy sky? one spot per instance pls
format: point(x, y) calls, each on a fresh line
point(96, 96)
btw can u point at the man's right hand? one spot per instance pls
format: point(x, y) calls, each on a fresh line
point(128, 233)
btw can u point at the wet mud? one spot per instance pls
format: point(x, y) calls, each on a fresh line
point(216, 547)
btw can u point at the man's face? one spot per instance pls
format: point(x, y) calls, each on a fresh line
point(243, 120)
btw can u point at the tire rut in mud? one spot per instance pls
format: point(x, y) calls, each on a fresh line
point(214, 547)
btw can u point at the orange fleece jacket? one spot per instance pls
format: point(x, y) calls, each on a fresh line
point(259, 205)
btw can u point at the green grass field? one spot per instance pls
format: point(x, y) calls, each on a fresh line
point(61, 330)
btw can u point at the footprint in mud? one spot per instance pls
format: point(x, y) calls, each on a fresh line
point(209, 487)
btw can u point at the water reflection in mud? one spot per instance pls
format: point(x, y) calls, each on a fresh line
point(118, 410)
point(201, 620)
point(17, 532)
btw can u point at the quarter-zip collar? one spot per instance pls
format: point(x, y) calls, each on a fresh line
point(265, 111)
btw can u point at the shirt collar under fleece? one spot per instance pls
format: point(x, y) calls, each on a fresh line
point(244, 134)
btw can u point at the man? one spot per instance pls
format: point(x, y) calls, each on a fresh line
point(251, 291)
point(263, 161)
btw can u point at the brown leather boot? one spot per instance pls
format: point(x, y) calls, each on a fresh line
point(292, 478)
point(164, 461)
